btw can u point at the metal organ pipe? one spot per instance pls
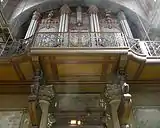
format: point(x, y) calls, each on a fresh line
point(79, 15)
point(34, 28)
point(60, 23)
point(124, 24)
point(64, 18)
point(98, 27)
point(91, 22)
point(66, 23)
point(33, 25)
point(63, 22)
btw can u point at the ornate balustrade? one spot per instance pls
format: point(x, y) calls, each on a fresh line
point(79, 39)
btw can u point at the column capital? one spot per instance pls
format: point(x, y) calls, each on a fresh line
point(65, 9)
point(36, 15)
point(93, 9)
point(46, 93)
point(112, 92)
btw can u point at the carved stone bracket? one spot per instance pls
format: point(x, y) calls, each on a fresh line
point(46, 92)
point(112, 92)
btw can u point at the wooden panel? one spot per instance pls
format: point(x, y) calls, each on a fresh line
point(150, 72)
point(47, 68)
point(79, 88)
point(78, 69)
point(27, 70)
point(79, 78)
point(79, 57)
point(132, 67)
point(7, 72)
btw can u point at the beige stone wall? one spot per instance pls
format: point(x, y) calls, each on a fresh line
point(13, 101)
point(146, 99)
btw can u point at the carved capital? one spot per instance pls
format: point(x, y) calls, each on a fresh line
point(112, 92)
point(93, 9)
point(65, 9)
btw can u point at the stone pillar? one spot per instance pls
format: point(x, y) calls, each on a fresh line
point(33, 25)
point(124, 24)
point(46, 95)
point(112, 95)
point(44, 104)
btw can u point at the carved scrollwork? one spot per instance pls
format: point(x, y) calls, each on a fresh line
point(79, 40)
point(47, 40)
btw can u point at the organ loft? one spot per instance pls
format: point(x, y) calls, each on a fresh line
point(79, 64)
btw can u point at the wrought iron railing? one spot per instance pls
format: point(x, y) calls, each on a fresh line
point(153, 48)
point(134, 45)
point(79, 39)
point(13, 48)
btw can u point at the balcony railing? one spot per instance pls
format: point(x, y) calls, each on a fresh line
point(13, 48)
point(153, 48)
point(79, 39)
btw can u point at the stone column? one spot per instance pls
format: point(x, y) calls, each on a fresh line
point(46, 94)
point(33, 25)
point(44, 104)
point(124, 24)
point(112, 95)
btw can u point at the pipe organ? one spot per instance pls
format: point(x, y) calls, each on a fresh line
point(78, 27)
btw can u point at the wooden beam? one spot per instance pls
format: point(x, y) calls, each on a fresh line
point(104, 69)
point(54, 68)
point(139, 71)
point(32, 108)
point(18, 70)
